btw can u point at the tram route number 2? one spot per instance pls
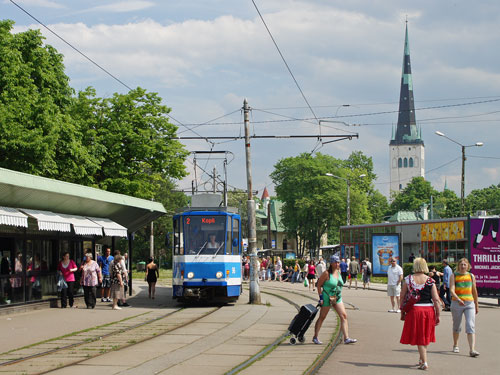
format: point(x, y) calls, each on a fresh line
point(204, 220)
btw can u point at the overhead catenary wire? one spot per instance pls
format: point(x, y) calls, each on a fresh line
point(381, 103)
point(352, 115)
point(90, 59)
point(284, 60)
point(72, 47)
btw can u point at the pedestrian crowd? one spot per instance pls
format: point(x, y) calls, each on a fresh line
point(420, 297)
point(110, 272)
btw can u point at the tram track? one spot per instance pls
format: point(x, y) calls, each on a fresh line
point(61, 353)
point(320, 359)
point(93, 343)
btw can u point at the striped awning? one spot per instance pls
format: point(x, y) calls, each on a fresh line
point(110, 228)
point(49, 221)
point(11, 216)
point(83, 226)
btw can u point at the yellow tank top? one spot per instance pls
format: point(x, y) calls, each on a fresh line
point(463, 286)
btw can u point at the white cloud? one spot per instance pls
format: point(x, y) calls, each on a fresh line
point(340, 52)
point(121, 7)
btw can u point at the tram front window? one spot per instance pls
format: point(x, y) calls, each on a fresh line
point(204, 234)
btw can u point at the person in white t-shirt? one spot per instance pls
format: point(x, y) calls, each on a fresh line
point(320, 268)
point(394, 279)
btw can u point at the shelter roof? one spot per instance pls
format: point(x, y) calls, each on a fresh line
point(27, 191)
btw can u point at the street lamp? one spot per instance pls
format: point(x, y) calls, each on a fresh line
point(348, 193)
point(462, 188)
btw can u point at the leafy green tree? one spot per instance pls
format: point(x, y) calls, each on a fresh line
point(314, 203)
point(122, 144)
point(238, 199)
point(447, 204)
point(416, 193)
point(484, 199)
point(378, 206)
point(38, 135)
point(132, 140)
point(173, 201)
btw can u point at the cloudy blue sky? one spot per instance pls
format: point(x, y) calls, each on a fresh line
point(205, 56)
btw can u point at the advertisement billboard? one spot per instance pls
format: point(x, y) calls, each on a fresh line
point(384, 247)
point(442, 231)
point(485, 255)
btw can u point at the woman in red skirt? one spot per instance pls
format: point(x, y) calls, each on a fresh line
point(422, 318)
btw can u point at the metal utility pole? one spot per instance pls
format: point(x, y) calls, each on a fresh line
point(214, 181)
point(152, 242)
point(269, 237)
point(348, 202)
point(348, 182)
point(252, 231)
point(462, 186)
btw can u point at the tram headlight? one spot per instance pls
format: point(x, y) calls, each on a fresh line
point(219, 275)
point(190, 275)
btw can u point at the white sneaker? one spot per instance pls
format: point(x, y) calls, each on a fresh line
point(392, 311)
point(398, 311)
point(350, 341)
point(456, 350)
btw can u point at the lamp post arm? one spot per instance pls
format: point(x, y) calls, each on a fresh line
point(448, 138)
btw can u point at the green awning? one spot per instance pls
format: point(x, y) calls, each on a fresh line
point(25, 191)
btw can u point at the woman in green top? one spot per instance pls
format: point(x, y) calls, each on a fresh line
point(330, 284)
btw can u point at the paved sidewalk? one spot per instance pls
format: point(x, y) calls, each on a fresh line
point(378, 350)
point(30, 327)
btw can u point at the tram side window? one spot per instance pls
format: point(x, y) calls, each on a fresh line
point(178, 246)
point(229, 235)
point(236, 236)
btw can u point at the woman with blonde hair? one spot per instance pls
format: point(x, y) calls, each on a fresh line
point(421, 319)
point(464, 302)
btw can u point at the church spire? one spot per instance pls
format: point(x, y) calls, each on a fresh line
point(406, 131)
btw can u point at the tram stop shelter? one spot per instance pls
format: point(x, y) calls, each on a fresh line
point(40, 218)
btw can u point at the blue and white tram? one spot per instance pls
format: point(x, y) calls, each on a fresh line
point(207, 255)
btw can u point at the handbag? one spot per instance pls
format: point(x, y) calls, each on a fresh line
point(306, 283)
point(411, 298)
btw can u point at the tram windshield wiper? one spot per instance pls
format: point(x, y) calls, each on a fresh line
point(222, 244)
point(201, 249)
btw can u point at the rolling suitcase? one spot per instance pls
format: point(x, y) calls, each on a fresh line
point(301, 323)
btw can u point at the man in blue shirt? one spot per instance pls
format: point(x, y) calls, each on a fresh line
point(104, 262)
point(343, 269)
point(444, 291)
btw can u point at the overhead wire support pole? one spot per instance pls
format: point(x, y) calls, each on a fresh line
point(252, 230)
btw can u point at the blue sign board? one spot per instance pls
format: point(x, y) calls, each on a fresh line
point(384, 247)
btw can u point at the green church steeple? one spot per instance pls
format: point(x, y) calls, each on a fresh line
point(406, 131)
